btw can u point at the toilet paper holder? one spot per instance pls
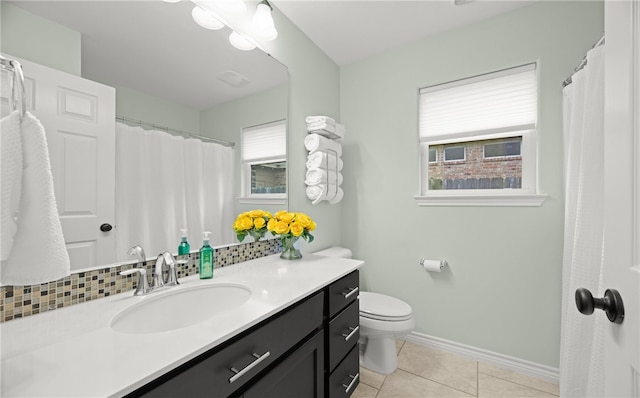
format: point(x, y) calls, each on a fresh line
point(433, 265)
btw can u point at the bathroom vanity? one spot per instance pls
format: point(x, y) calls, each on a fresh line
point(295, 336)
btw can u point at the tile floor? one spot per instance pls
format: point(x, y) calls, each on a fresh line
point(425, 372)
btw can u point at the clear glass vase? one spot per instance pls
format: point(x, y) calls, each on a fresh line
point(289, 252)
point(255, 235)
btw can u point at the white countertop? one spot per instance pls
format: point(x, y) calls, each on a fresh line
point(73, 352)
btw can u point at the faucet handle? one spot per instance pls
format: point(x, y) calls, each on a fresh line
point(142, 287)
point(172, 278)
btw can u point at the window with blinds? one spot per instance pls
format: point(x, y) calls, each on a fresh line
point(477, 136)
point(264, 152)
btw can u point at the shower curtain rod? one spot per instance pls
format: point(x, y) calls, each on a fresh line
point(141, 123)
point(582, 63)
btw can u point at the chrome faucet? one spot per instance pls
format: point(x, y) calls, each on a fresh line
point(143, 287)
point(172, 277)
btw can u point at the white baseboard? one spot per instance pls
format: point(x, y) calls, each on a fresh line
point(504, 361)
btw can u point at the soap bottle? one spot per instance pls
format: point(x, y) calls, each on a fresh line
point(206, 258)
point(184, 247)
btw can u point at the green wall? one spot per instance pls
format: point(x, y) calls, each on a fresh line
point(22, 36)
point(502, 291)
point(314, 89)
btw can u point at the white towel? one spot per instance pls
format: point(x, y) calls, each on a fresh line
point(338, 197)
point(319, 119)
point(10, 178)
point(315, 142)
point(330, 192)
point(319, 175)
point(328, 161)
point(39, 254)
point(335, 132)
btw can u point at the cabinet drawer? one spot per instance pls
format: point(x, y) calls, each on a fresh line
point(343, 292)
point(344, 331)
point(344, 380)
point(248, 355)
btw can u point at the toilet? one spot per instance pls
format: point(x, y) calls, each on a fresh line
point(382, 319)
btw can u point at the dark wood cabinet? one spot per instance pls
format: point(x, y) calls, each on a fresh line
point(308, 350)
point(342, 336)
point(299, 375)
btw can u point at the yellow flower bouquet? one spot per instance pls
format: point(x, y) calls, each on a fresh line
point(253, 223)
point(290, 226)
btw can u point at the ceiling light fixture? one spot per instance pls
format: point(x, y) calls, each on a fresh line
point(248, 29)
point(206, 19)
point(240, 42)
point(263, 26)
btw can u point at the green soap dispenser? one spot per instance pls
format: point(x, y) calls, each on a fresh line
point(206, 258)
point(184, 247)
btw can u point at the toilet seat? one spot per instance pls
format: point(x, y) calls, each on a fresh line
point(384, 308)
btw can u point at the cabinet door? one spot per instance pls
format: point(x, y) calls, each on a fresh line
point(300, 375)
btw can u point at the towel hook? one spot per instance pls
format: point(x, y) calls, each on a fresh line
point(18, 98)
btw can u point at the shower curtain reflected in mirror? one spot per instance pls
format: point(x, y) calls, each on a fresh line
point(581, 346)
point(165, 183)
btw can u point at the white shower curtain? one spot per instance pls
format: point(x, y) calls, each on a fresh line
point(165, 183)
point(581, 348)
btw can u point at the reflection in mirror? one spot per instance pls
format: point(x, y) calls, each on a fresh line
point(167, 72)
point(268, 177)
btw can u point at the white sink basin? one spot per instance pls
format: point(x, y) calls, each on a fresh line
point(176, 309)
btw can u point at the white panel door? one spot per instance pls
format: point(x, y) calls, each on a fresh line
point(622, 194)
point(79, 118)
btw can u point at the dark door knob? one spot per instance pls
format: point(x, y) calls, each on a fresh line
point(106, 227)
point(611, 303)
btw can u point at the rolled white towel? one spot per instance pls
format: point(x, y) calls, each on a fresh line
point(338, 197)
point(329, 192)
point(328, 161)
point(10, 179)
point(319, 119)
point(315, 191)
point(315, 142)
point(319, 175)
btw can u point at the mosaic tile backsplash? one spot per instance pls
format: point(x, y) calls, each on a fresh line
point(21, 301)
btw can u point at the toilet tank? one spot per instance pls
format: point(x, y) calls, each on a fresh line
point(335, 251)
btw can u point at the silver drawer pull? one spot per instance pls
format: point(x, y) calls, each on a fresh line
point(353, 381)
point(240, 373)
point(350, 293)
point(349, 335)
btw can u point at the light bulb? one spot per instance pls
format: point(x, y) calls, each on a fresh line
point(262, 18)
point(240, 42)
point(263, 26)
point(206, 19)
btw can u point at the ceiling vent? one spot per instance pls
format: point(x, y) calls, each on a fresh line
point(232, 78)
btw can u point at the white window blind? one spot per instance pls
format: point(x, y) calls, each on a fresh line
point(483, 103)
point(267, 141)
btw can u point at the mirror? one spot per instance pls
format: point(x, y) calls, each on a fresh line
point(154, 50)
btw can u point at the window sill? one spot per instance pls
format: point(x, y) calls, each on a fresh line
point(263, 201)
point(482, 200)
